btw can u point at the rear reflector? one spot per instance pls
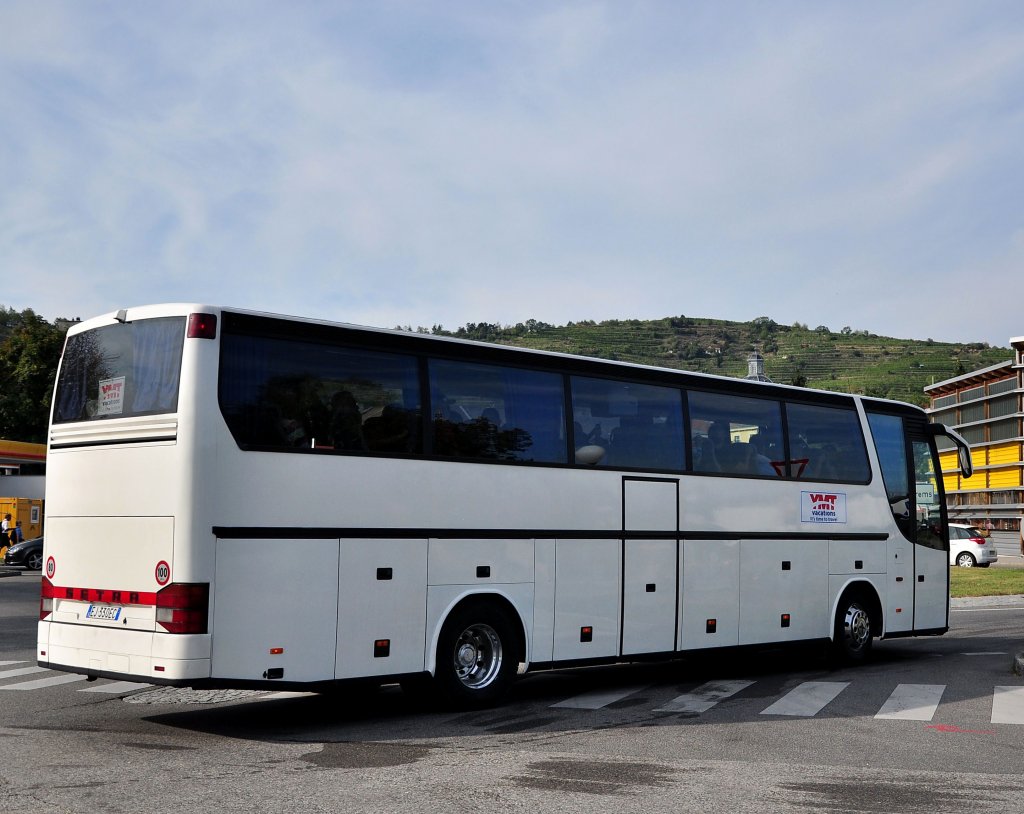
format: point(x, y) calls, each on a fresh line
point(183, 607)
point(45, 599)
point(202, 326)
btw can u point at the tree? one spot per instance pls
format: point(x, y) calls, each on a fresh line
point(30, 350)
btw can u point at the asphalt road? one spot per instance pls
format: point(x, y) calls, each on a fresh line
point(738, 734)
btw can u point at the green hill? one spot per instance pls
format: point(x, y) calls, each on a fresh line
point(848, 361)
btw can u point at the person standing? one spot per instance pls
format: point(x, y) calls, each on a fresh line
point(1021, 532)
point(5, 527)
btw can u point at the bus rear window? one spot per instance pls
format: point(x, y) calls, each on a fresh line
point(119, 371)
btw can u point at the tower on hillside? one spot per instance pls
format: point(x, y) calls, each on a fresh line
point(755, 367)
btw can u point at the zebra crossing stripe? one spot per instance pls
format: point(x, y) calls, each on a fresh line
point(39, 683)
point(1008, 705)
point(704, 697)
point(280, 696)
point(807, 699)
point(912, 702)
point(117, 686)
point(597, 699)
point(21, 671)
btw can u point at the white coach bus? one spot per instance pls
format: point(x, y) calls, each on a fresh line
point(237, 499)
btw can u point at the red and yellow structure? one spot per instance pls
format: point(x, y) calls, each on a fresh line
point(14, 454)
point(986, 407)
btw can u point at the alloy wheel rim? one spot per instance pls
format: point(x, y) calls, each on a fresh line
point(477, 656)
point(858, 627)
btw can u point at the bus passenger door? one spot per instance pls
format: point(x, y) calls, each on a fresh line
point(931, 554)
point(650, 570)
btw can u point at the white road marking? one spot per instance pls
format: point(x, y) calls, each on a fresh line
point(704, 697)
point(1008, 705)
point(117, 686)
point(278, 696)
point(807, 699)
point(597, 699)
point(21, 671)
point(989, 653)
point(7, 663)
point(39, 683)
point(912, 702)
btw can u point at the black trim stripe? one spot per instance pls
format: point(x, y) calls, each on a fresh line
point(331, 533)
point(109, 442)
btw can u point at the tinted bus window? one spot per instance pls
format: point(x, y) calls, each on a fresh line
point(826, 443)
point(623, 424)
point(736, 435)
point(891, 446)
point(292, 394)
point(497, 413)
point(927, 495)
point(122, 370)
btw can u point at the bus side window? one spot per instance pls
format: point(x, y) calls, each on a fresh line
point(288, 394)
point(492, 412)
point(831, 442)
point(639, 426)
point(890, 444)
point(736, 435)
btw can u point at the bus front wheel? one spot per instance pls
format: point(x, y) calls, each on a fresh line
point(852, 637)
point(476, 656)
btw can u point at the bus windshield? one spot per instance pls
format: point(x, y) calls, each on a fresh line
point(122, 370)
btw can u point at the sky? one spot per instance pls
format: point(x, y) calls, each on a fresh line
point(441, 163)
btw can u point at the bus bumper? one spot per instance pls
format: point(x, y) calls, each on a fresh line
point(130, 654)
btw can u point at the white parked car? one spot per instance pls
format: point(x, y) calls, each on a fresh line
point(967, 547)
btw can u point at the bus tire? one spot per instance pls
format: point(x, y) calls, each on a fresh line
point(852, 636)
point(476, 656)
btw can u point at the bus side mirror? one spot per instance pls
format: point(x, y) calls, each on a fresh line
point(963, 449)
point(966, 464)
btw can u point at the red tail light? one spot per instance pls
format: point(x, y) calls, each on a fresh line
point(978, 540)
point(183, 607)
point(45, 599)
point(202, 326)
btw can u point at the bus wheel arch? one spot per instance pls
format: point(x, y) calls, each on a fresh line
point(479, 648)
point(857, 620)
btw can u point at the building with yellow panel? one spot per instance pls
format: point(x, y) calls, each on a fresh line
point(987, 408)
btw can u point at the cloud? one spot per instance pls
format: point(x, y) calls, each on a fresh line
point(424, 163)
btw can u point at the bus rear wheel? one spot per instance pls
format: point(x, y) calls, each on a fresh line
point(477, 656)
point(852, 637)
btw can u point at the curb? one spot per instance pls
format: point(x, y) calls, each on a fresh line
point(997, 601)
point(1018, 664)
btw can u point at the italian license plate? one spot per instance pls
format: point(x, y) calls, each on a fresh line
point(111, 613)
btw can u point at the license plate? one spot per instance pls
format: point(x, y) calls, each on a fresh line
point(109, 612)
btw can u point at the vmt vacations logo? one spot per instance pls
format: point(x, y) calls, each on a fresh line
point(823, 507)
